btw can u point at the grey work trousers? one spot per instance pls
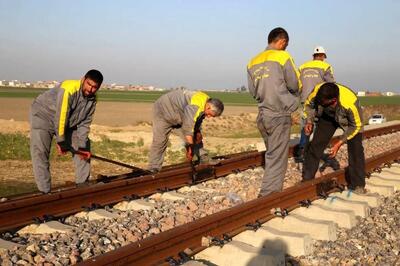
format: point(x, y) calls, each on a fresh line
point(325, 129)
point(276, 134)
point(161, 131)
point(40, 153)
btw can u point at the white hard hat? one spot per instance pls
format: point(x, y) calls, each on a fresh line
point(319, 50)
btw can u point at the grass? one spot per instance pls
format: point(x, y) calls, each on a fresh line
point(380, 100)
point(9, 92)
point(229, 98)
point(118, 150)
point(176, 156)
point(243, 134)
point(16, 147)
point(14, 188)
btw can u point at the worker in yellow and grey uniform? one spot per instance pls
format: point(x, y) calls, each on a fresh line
point(184, 110)
point(336, 106)
point(65, 112)
point(274, 83)
point(312, 73)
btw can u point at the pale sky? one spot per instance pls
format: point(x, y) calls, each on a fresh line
point(197, 44)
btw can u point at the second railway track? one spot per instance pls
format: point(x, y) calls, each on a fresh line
point(179, 244)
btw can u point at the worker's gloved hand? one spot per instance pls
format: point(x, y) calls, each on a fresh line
point(335, 148)
point(308, 128)
point(84, 154)
point(189, 152)
point(198, 138)
point(62, 147)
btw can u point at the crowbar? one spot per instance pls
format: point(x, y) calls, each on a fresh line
point(112, 161)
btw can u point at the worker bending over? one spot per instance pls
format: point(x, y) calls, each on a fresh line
point(65, 112)
point(184, 110)
point(335, 106)
point(312, 73)
point(274, 83)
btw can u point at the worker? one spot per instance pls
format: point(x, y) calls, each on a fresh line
point(274, 83)
point(335, 106)
point(184, 110)
point(312, 73)
point(65, 112)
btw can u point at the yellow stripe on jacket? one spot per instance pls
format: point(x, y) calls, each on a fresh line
point(199, 99)
point(70, 87)
point(315, 64)
point(310, 99)
point(278, 56)
point(348, 99)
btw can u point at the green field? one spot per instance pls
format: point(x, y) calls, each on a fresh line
point(229, 98)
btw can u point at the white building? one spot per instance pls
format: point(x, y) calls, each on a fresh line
point(361, 93)
point(389, 93)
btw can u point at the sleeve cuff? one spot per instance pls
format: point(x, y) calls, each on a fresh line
point(60, 139)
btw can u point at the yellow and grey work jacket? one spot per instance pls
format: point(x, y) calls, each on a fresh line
point(313, 73)
point(347, 112)
point(274, 82)
point(64, 108)
point(183, 109)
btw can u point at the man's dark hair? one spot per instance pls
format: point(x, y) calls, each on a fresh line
point(216, 106)
point(94, 75)
point(327, 91)
point(277, 34)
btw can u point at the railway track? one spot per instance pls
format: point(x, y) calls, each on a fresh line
point(179, 244)
point(21, 210)
point(26, 209)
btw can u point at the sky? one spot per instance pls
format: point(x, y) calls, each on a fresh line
point(197, 44)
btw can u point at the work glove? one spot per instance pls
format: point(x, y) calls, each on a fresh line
point(62, 147)
point(198, 137)
point(84, 154)
point(189, 152)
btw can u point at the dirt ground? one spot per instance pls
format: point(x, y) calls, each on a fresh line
point(129, 122)
point(107, 113)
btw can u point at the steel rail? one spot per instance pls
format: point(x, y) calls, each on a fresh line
point(156, 249)
point(23, 210)
point(366, 134)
